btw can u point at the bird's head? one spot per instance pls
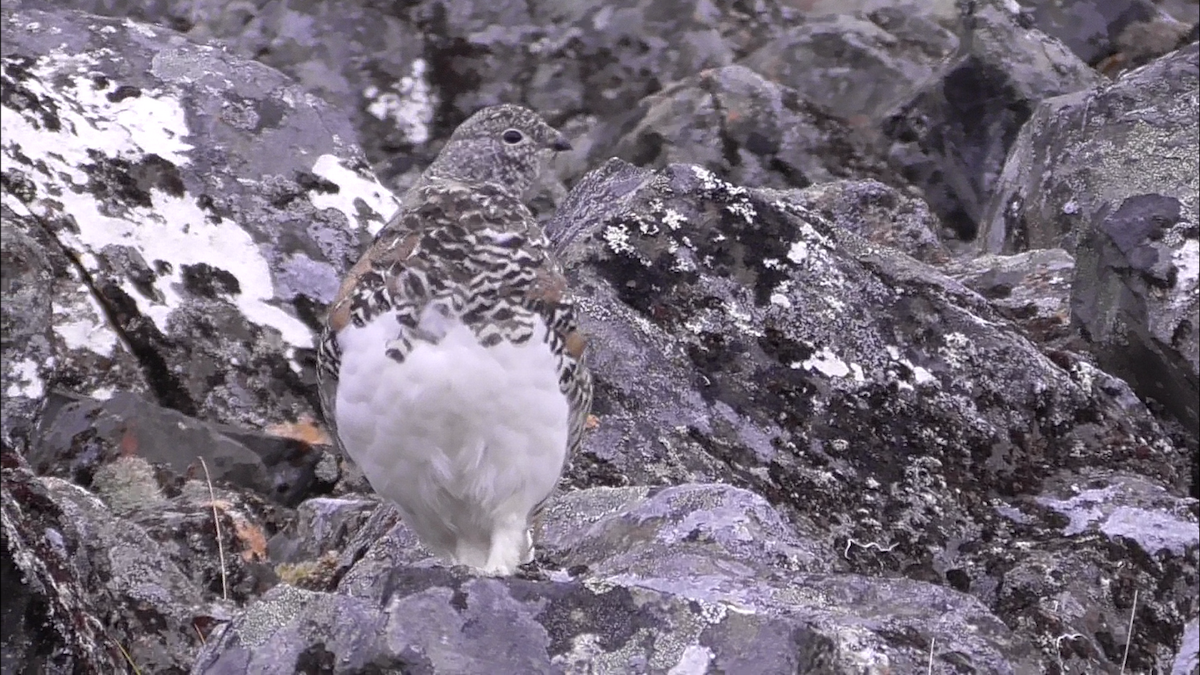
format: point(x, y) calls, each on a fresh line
point(501, 144)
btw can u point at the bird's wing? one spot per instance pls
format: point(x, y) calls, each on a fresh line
point(392, 248)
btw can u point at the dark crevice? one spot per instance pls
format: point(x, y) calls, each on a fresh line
point(137, 332)
point(729, 147)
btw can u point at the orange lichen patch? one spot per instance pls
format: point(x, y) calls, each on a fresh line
point(129, 443)
point(1111, 66)
point(859, 121)
point(574, 343)
point(592, 422)
point(253, 539)
point(305, 430)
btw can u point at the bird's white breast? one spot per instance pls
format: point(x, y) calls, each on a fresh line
point(457, 434)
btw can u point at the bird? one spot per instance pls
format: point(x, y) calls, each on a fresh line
point(451, 364)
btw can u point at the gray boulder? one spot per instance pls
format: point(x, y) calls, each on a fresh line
point(952, 135)
point(1111, 175)
point(695, 578)
point(205, 204)
point(735, 123)
point(1032, 289)
point(858, 65)
point(1112, 35)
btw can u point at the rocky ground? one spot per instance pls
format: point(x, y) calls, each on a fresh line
point(893, 312)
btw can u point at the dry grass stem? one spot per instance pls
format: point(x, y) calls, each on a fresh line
point(217, 523)
point(1129, 633)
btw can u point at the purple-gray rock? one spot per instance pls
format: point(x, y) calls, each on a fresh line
point(1032, 289)
point(206, 204)
point(858, 65)
point(879, 213)
point(749, 340)
point(737, 124)
point(696, 578)
point(1111, 175)
point(1113, 35)
point(84, 591)
point(952, 136)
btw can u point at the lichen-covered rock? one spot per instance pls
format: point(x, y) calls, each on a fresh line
point(88, 592)
point(952, 136)
point(879, 213)
point(888, 409)
point(696, 578)
point(207, 205)
point(858, 65)
point(56, 333)
point(856, 461)
point(79, 436)
point(1032, 289)
point(737, 124)
point(1112, 35)
point(1112, 176)
point(408, 73)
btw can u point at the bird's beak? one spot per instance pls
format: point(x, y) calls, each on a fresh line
point(560, 143)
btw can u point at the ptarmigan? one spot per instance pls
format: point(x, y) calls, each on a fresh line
point(451, 367)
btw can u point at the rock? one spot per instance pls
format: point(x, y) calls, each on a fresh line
point(1188, 660)
point(736, 124)
point(813, 452)
point(84, 591)
point(322, 525)
point(858, 65)
point(1111, 175)
point(878, 213)
point(783, 354)
point(693, 578)
point(410, 73)
point(55, 332)
point(1125, 507)
point(1104, 515)
point(80, 436)
point(1110, 35)
point(1032, 289)
point(208, 205)
point(952, 136)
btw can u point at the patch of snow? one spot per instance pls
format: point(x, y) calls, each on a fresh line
point(26, 381)
point(694, 661)
point(83, 323)
point(352, 187)
point(798, 252)
point(1187, 264)
point(85, 327)
point(410, 107)
point(827, 363)
point(173, 229)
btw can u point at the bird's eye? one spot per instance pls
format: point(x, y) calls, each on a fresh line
point(512, 137)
